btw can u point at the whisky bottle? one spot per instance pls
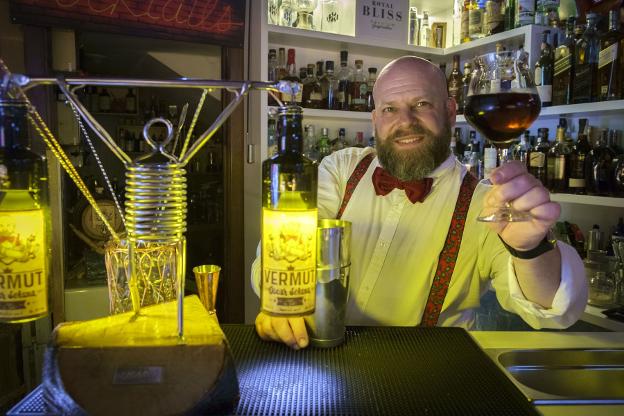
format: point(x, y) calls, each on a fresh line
point(586, 63)
point(544, 71)
point(537, 157)
point(578, 160)
point(563, 74)
point(424, 38)
point(558, 160)
point(465, 85)
point(357, 100)
point(372, 77)
point(609, 59)
point(289, 218)
point(23, 219)
point(312, 96)
point(455, 85)
point(601, 159)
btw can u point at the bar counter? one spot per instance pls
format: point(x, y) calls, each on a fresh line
point(385, 370)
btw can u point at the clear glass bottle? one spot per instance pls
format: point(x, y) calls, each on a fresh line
point(289, 219)
point(305, 14)
point(601, 159)
point(609, 60)
point(24, 221)
point(333, 16)
point(464, 29)
point(323, 146)
point(340, 142)
point(413, 26)
point(287, 13)
point(357, 99)
point(475, 24)
point(424, 38)
point(104, 101)
point(601, 289)
point(586, 63)
point(310, 146)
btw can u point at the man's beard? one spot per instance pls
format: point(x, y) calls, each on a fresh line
point(414, 164)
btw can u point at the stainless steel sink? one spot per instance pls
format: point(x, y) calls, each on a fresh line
point(559, 376)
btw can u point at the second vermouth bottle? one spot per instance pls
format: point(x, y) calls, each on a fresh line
point(289, 218)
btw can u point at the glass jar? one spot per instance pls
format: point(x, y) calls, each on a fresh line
point(601, 290)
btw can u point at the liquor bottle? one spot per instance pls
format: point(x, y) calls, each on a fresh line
point(601, 174)
point(471, 155)
point(104, 101)
point(372, 77)
point(273, 12)
point(281, 70)
point(609, 60)
point(510, 14)
point(453, 145)
point(465, 85)
point(329, 87)
point(130, 102)
point(344, 82)
point(563, 74)
point(475, 21)
point(340, 142)
point(289, 219)
point(287, 13)
point(458, 134)
point(333, 18)
point(323, 145)
point(357, 99)
point(312, 96)
point(525, 12)
point(586, 63)
point(303, 76)
point(424, 38)
point(272, 75)
point(23, 219)
point(472, 143)
point(294, 79)
point(578, 158)
point(537, 157)
point(464, 31)
point(413, 26)
point(544, 71)
point(558, 161)
point(455, 85)
point(520, 151)
point(490, 159)
point(494, 18)
point(310, 149)
point(359, 139)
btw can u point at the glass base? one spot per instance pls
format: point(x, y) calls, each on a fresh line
point(503, 214)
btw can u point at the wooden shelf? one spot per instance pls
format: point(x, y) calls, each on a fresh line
point(603, 201)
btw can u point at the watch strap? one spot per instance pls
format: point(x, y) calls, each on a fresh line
point(544, 246)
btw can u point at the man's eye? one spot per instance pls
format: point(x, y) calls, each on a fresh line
point(388, 110)
point(422, 104)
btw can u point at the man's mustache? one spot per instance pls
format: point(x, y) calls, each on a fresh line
point(411, 131)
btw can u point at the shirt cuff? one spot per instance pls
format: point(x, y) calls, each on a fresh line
point(571, 296)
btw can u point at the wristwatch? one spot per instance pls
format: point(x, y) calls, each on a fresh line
point(547, 244)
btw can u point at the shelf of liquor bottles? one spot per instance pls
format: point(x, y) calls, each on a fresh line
point(309, 39)
point(603, 201)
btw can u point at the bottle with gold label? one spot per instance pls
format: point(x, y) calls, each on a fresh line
point(289, 218)
point(23, 225)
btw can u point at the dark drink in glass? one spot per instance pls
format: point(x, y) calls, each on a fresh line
point(502, 117)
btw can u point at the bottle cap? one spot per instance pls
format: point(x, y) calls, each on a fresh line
point(329, 65)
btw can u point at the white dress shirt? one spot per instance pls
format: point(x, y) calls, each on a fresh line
point(395, 248)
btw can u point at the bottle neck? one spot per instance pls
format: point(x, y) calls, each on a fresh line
point(290, 133)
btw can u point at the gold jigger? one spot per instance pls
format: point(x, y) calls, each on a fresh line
point(207, 279)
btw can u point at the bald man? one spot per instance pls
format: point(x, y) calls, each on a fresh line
point(419, 256)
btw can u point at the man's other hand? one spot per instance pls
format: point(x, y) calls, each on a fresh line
point(512, 183)
point(290, 331)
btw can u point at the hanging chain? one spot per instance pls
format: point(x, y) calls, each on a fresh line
point(109, 185)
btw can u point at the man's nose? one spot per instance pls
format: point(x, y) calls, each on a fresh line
point(407, 118)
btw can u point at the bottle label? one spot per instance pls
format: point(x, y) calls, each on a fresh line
point(23, 279)
point(287, 98)
point(538, 75)
point(288, 262)
point(537, 160)
point(563, 64)
point(576, 183)
point(607, 55)
point(559, 168)
point(545, 93)
point(489, 160)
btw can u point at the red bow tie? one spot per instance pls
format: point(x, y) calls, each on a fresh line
point(416, 191)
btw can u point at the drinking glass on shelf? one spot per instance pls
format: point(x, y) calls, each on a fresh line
point(305, 14)
point(502, 103)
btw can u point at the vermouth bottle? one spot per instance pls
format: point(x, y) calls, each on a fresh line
point(289, 219)
point(23, 220)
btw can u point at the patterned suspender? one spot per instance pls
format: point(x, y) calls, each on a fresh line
point(354, 179)
point(448, 255)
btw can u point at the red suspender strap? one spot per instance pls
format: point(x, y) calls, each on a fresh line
point(354, 179)
point(448, 255)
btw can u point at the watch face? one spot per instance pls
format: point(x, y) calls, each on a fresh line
point(92, 224)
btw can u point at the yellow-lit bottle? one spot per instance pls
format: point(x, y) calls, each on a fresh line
point(23, 237)
point(289, 219)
